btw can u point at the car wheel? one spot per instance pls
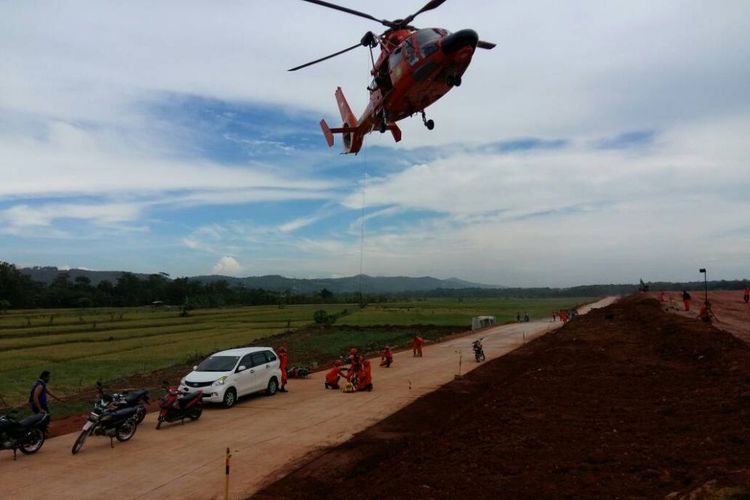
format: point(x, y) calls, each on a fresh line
point(230, 397)
point(273, 386)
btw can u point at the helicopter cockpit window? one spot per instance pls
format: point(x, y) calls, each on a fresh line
point(411, 54)
point(395, 59)
point(427, 41)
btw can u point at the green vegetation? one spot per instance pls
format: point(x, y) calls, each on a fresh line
point(80, 346)
point(457, 312)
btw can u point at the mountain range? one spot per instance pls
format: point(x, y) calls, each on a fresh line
point(368, 284)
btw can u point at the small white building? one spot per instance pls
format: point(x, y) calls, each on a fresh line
point(482, 322)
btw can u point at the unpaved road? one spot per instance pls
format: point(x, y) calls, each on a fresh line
point(266, 435)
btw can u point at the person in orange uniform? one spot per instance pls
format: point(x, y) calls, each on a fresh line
point(705, 313)
point(387, 357)
point(364, 376)
point(283, 362)
point(563, 315)
point(416, 346)
point(661, 296)
point(686, 299)
point(333, 376)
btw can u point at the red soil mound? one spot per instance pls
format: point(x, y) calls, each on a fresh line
point(627, 401)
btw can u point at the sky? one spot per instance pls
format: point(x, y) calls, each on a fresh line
point(599, 142)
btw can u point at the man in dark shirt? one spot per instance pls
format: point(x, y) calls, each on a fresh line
point(39, 392)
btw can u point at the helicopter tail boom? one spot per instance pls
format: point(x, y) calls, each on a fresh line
point(347, 117)
point(351, 131)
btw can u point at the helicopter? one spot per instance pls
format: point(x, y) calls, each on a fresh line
point(415, 68)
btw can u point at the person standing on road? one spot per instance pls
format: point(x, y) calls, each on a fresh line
point(283, 362)
point(686, 299)
point(661, 296)
point(416, 346)
point(746, 297)
point(39, 392)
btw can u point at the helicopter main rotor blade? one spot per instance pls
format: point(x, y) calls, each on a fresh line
point(351, 11)
point(433, 4)
point(486, 45)
point(326, 57)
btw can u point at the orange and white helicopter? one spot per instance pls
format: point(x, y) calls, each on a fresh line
point(415, 68)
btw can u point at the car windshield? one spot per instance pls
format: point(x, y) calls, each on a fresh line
point(218, 364)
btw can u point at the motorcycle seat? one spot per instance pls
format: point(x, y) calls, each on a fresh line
point(32, 420)
point(133, 397)
point(184, 400)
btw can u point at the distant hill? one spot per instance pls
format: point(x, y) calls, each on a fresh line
point(369, 284)
point(48, 274)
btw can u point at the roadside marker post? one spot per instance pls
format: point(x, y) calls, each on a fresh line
point(226, 475)
point(460, 358)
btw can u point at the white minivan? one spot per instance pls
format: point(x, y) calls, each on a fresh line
point(227, 375)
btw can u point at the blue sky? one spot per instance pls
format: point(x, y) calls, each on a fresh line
point(599, 142)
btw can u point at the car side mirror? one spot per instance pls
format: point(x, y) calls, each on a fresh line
point(241, 368)
point(195, 367)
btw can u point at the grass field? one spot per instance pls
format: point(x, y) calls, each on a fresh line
point(82, 346)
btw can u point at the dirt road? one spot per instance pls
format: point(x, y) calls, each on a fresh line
point(265, 434)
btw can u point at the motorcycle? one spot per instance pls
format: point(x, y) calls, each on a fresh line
point(136, 399)
point(179, 406)
point(27, 435)
point(478, 350)
point(107, 419)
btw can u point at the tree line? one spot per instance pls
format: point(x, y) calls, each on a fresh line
point(19, 291)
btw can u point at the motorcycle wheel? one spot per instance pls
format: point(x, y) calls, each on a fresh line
point(32, 441)
point(126, 430)
point(141, 413)
point(79, 442)
point(196, 413)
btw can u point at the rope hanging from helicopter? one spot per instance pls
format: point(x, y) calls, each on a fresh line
point(362, 215)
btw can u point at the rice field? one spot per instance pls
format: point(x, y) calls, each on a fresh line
point(82, 346)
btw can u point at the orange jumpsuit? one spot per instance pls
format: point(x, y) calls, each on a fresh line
point(416, 346)
point(332, 378)
point(686, 299)
point(387, 358)
point(364, 376)
point(563, 315)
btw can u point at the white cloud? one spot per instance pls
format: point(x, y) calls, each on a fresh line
point(227, 266)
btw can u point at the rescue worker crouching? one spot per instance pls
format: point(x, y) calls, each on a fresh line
point(333, 376)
